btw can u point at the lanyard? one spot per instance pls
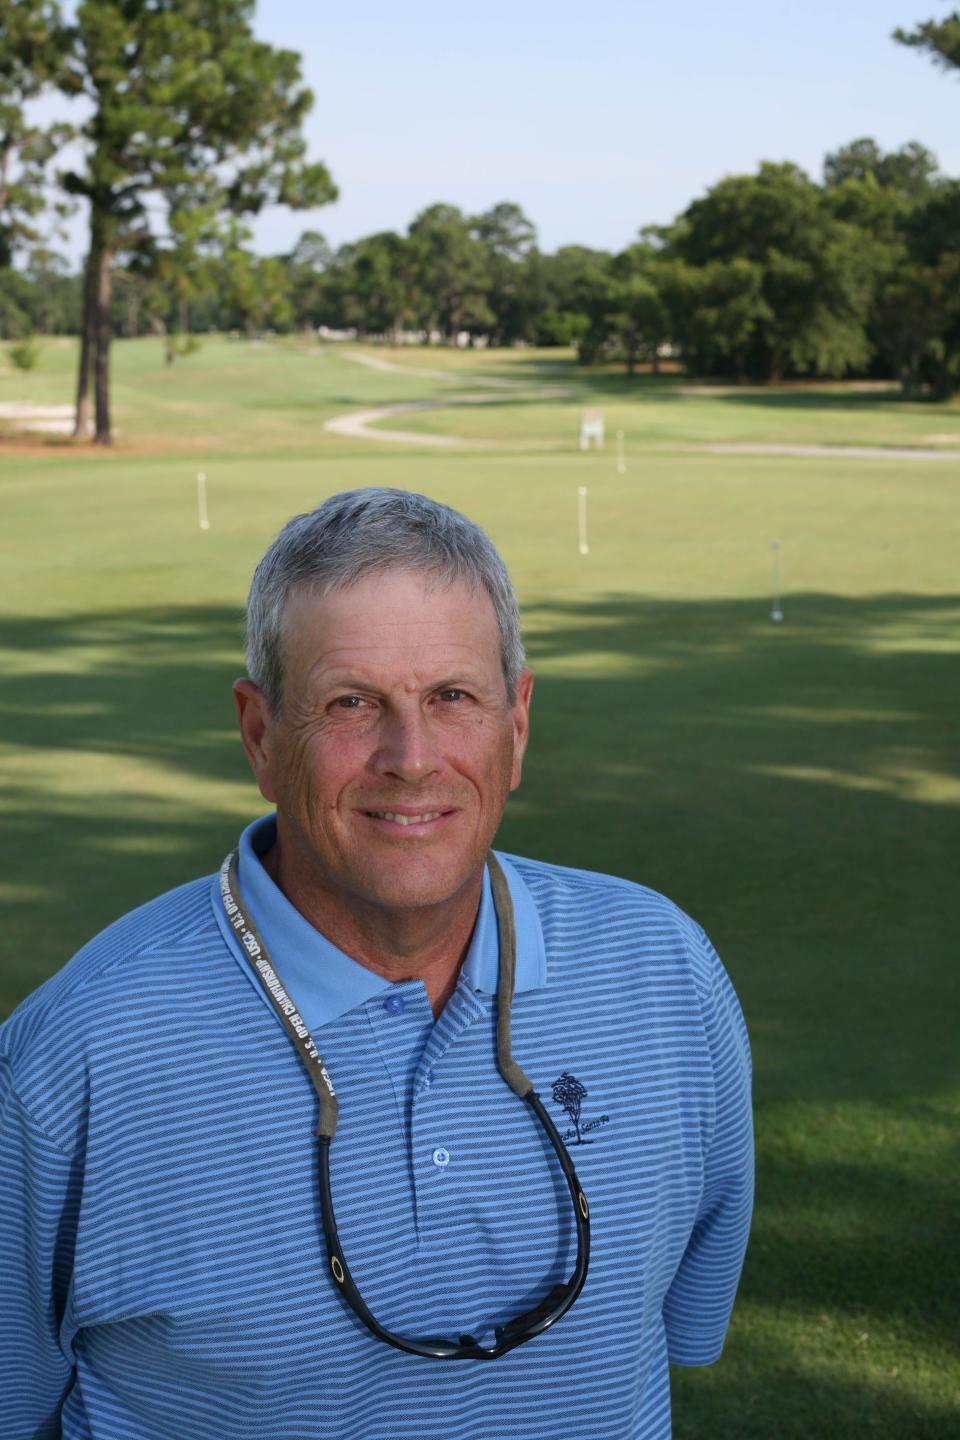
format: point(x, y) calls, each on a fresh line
point(286, 1008)
point(560, 1298)
point(240, 920)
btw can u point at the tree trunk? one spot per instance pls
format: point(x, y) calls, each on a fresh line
point(184, 317)
point(81, 423)
point(104, 278)
point(454, 330)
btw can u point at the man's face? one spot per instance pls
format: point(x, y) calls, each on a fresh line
point(396, 746)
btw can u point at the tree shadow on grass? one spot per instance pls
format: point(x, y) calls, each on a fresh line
point(848, 1305)
point(793, 786)
point(762, 1391)
point(617, 385)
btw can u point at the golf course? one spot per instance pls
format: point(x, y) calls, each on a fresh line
point(793, 784)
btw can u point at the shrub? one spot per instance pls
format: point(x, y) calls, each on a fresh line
point(25, 353)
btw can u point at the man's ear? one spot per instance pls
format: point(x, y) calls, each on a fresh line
point(256, 731)
point(521, 723)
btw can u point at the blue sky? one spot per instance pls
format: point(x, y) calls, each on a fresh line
point(597, 118)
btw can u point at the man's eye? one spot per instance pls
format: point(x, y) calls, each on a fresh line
point(452, 695)
point(348, 702)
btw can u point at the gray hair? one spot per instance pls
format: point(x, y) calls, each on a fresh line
point(363, 532)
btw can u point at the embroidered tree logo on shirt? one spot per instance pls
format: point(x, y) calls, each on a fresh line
point(569, 1093)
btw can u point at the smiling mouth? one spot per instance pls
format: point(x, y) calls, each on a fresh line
point(403, 819)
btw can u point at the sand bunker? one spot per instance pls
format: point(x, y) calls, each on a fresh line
point(48, 419)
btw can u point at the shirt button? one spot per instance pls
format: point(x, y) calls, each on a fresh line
point(441, 1158)
point(394, 1004)
point(430, 1077)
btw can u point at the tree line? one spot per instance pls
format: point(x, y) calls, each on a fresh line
point(194, 126)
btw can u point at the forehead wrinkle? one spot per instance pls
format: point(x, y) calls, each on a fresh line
point(349, 661)
point(383, 649)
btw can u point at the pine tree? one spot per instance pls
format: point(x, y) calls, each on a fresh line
point(183, 96)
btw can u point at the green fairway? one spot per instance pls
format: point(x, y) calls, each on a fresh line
point(794, 786)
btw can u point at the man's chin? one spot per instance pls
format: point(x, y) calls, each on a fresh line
point(400, 896)
point(418, 882)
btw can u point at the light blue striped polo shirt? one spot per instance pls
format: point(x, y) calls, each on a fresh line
point(162, 1268)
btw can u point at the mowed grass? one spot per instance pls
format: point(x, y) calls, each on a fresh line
point(794, 786)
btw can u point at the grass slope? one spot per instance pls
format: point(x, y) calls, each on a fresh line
point(795, 787)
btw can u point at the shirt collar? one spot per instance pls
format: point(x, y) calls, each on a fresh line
point(323, 980)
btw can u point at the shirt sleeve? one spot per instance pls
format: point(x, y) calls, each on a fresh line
point(39, 1196)
point(697, 1306)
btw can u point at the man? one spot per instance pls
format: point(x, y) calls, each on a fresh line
point(173, 1268)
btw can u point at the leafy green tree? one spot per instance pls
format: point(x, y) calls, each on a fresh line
point(909, 172)
point(138, 302)
point(15, 304)
point(940, 39)
point(312, 252)
point(46, 272)
point(878, 193)
point(30, 59)
point(918, 312)
point(451, 275)
point(378, 275)
point(519, 305)
point(812, 305)
point(182, 263)
point(918, 326)
point(505, 231)
point(625, 308)
point(639, 316)
point(575, 283)
point(254, 290)
point(181, 94)
point(509, 239)
point(309, 277)
point(716, 310)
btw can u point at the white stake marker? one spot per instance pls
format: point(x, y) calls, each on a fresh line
point(582, 518)
point(202, 501)
point(776, 614)
point(621, 462)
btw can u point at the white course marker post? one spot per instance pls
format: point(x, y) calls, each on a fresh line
point(621, 461)
point(776, 614)
point(582, 519)
point(202, 501)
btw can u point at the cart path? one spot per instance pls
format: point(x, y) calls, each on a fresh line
point(359, 424)
point(362, 424)
point(852, 452)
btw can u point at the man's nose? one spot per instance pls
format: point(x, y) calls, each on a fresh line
point(407, 747)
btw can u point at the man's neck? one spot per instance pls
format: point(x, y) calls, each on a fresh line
point(423, 943)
